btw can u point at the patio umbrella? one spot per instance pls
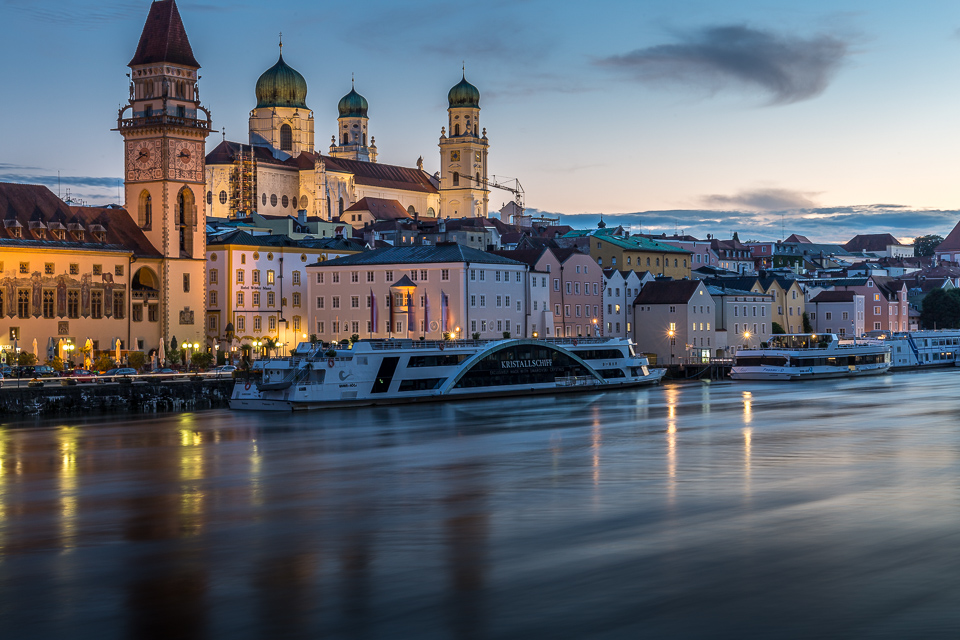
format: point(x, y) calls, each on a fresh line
point(118, 351)
point(161, 355)
point(88, 354)
point(60, 348)
point(36, 351)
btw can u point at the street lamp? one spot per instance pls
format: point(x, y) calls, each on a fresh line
point(596, 328)
point(186, 347)
point(673, 340)
point(458, 333)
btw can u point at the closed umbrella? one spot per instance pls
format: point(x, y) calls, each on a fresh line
point(88, 354)
point(161, 355)
point(36, 351)
point(118, 351)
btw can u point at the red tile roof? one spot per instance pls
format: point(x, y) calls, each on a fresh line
point(871, 242)
point(21, 204)
point(387, 176)
point(951, 242)
point(164, 39)
point(381, 208)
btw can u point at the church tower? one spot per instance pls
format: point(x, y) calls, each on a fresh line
point(352, 130)
point(281, 120)
point(463, 156)
point(164, 128)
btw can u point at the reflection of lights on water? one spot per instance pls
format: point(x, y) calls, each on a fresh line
point(191, 472)
point(673, 396)
point(67, 439)
point(747, 407)
point(256, 469)
point(596, 439)
point(747, 445)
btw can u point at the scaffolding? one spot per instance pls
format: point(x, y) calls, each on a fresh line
point(243, 183)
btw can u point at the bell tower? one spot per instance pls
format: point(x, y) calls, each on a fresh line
point(164, 128)
point(463, 156)
point(352, 130)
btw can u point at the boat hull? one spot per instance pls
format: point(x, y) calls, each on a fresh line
point(788, 374)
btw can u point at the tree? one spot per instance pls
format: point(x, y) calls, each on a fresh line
point(136, 359)
point(777, 329)
point(104, 362)
point(201, 360)
point(941, 309)
point(56, 363)
point(354, 338)
point(925, 245)
point(26, 359)
point(807, 327)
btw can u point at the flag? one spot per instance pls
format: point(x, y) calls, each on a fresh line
point(443, 312)
point(373, 312)
point(411, 314)
point(426, 311)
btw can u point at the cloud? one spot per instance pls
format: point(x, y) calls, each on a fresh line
point(789, 69)
point(67, 181)
point(763, 199)
point(825, 224)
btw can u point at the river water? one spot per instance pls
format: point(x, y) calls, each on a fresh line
point(724, 510)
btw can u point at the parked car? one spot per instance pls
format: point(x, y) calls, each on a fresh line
point(114, 375)
point(81, 375)
point(224, 371)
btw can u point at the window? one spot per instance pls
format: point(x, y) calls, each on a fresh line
point(48, 310)
point(389, 276)
point(828, 316)
point(335, 278)
point(186, 282)
point(240, 298)
point(271, 276)
point(578, 311)
point(272, 324)
point(566, 310)
point(286, 138)
point(153, 313)
point(74, 269)
point(256, 276)
point(73, 304)
point(483, 301)
point(48, 269)
point(482, 275)
point(296, 299)
point(456, 179)
point(876, 311)
point(96, 304)
point(24, 268)
point(119, 304)
point(444, 274)
point(319, 278)
point(556, 310)
point(239, 276)
point(473, 301)
point(423, 275)
point(335, 304)
point(320, 302)
point(213, 276)
point(213, 298)
point(257, 323)
point(271, 299)
point(223, 197)
point(845, 315)
point(296, 277)
point(137, 314)
point(354, 302)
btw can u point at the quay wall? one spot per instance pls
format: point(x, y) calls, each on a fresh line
point(54, 399)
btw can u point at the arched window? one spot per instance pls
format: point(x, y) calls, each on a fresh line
point(431, 213)
point(456, 129)
point(346, 138)
point(329, 208)
point(411, 211)
point(286, 138)
point(145, 217)
point(223, 197)
point(186, 218)
point(478, 178)
point(341, 207)
point(456, 179)
point(364, 139)
point(303, 202)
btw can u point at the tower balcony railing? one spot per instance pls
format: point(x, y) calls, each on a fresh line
point(162, 119)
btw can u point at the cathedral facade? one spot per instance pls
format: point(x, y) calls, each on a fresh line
point(279, 171)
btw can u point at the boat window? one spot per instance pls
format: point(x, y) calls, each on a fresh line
point(423, 384)
point(447, 360)
point(519, 365)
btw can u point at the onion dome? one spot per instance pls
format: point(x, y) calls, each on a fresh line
point(464, 94)
point(353, 105)
point(282, 86)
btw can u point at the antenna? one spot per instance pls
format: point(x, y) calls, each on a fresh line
point(58, 184)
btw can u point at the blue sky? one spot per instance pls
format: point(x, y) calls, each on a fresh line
point(832, 117)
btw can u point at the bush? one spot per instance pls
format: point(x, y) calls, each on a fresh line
point(56, 363)
point(137, 359)
point(476, 336)
point(777, 329)
point(103, 363)
point(446, 335)
point(354, 338)
point(201, 360)
point(506, 335)
point(26, 359)
point(807, 327)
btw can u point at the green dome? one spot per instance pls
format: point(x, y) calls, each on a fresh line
point(281, 86)
point(353, 105)
point(464, 94)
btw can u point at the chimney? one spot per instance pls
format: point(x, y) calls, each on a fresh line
point(302, 216)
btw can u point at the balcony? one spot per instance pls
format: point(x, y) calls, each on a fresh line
point(162, 119)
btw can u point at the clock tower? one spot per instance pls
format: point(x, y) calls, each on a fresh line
point(463, 156)
point(164, 128)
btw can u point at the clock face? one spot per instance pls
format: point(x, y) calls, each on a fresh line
point(454, 156)
point(143, 160)
point(185, 160)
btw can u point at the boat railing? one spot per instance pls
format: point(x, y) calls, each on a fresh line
point(577, 381)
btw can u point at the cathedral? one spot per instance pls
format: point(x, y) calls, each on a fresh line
point(279, 171)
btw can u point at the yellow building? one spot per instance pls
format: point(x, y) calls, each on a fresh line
point(614, 249)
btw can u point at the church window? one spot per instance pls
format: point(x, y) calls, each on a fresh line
point(96, 304)
point(285, 202)
point(119, 305)
point(23, 303)
point(263, 199)
point(186, 210)
point(456, 179)
point(73, 304)
point(186, 283)
point(48, 304)
point(223, 197)
point(286, 138)
point(364, 139)
point(411, 211)
point(181, 111)
point(341, 206)
point(273, 200)
point(145, 210)
point(431, 213)
point(456, 129)
point(303, 202)
point(329, 208)
point(209, 197)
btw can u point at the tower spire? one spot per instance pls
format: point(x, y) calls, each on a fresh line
point(281, 44)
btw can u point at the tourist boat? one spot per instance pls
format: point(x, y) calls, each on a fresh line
point(810, 356)
point(921, 349)
point(377, 372)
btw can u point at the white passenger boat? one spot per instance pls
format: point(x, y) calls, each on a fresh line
point(400, 371)
point(922, 349)
point(810, 356)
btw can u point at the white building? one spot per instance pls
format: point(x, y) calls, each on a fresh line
point(743, 318)
point(620, 288)
point(839, 312)
point(674, 320)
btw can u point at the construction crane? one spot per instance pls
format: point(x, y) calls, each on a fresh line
point(516, 190)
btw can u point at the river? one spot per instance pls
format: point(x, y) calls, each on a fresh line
point(724, 510)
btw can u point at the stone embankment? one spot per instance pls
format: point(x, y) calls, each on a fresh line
point(53, 397)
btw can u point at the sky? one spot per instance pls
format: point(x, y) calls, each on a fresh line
point(762, 117)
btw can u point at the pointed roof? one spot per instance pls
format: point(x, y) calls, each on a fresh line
point(951, 242)
point(667, 292)
point(164, 38)
point(405, 281)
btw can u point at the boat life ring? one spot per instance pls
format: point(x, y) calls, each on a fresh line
point(575, 342)
point(246, 387)
point(442, 346)
point(330, 363)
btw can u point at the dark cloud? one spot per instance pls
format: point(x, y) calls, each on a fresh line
point(763, 199)
point(789, 69)
point(67, 181)
point(826, 224)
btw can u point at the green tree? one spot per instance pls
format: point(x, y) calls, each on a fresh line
point(201, 360)
point(354, 338)
point(925, 245)
point(941, 309)
point(777, 328)
point(26, 359)
point(56, 363)
point(136, 359)
point(807, 327)
point(104, 362)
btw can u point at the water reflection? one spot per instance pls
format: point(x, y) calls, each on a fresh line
point(576, 517)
